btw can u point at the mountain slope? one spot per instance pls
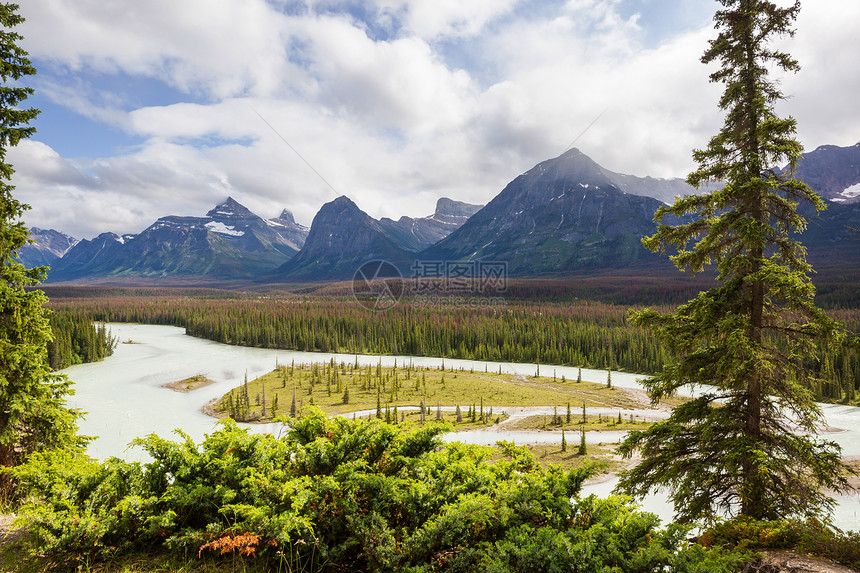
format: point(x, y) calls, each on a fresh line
point(833, 171)
point(342, 237)
point(291, 232)
point(230, 242)
point(48, 246)
point(564, 214)
point(417, 234)
point(832, 241)
point(87, 256)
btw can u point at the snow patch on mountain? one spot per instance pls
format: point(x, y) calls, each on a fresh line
point(850, 193)
point(219, 227)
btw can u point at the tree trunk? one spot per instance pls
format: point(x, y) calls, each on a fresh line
point(752, 489)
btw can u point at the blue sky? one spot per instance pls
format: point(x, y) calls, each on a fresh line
point(164, 107)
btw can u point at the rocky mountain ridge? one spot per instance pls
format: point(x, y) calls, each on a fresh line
point(566, 215)
point(833, 171)
point(415, 235)
point(46, 248)
point(229, 242)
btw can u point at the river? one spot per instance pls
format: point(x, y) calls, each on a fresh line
point(123, 397)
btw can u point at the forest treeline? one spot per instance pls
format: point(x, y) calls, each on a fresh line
point(76, 339)
point(575, 333)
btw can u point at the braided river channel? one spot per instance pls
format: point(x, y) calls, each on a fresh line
point(123, 398)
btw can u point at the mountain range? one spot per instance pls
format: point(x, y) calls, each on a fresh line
point(46, 248)
point(230, 242)
point(415, 235)
point(834, 172)
point(565, 215)
point(343, 237)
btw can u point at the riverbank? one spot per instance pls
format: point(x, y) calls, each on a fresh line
point(124, 398)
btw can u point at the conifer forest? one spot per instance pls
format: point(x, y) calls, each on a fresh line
point(571, 333)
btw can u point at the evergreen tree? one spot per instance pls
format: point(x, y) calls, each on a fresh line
point(33, 412)
point(378, 404)
point(263, 402)
point(293, 404)
point(274, 406)
point(747, 444)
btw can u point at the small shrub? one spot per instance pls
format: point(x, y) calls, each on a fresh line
point(810, 536)
point(352, 495)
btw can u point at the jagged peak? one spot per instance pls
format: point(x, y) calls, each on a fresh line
point(339, 212)
point(573, 157)
point(574, 164)
point(452, 208)
point(340, 205)
point(230, 208)
point(342, 200)
point(287, 215)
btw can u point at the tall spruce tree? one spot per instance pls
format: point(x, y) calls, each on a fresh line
point(747, 444)
point(33, 413)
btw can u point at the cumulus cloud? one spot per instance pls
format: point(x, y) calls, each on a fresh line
point(398, 83)
point(218, 48)
point(433, 19)
point(391, 102)
point(823, 95)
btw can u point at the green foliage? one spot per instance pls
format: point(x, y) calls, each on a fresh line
point(76, 340)
point(578, 333)
point(341, 495)
point(582, 333)
point(33, 415)
point(804, 536)
point(588, 334)
point(748, 444)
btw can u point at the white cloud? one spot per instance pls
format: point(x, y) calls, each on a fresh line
point(823, 95)
point(36, 163)
point(80, 97)
point(217, 47)
point(387, 119)
point(398, 84)
point(433, 19)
